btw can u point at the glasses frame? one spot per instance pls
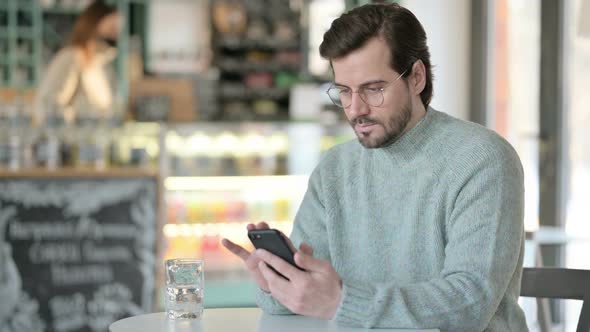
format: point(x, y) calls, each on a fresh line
point(361, 94)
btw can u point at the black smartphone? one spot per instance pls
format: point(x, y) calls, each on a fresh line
point(274, 242)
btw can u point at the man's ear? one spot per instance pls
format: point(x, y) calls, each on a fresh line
point(418, 77)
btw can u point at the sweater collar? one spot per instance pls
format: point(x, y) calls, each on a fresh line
point(412, 145)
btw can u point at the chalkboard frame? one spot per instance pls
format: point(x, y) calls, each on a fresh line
point(142, 180)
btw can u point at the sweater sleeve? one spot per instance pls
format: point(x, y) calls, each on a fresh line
point(484, 236)
point(309, 227)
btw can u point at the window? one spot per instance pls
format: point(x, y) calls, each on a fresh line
point(515, 75)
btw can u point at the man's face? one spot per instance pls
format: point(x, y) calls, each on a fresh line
point(369, 68)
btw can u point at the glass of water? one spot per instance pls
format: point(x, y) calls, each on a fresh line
point(184, 288)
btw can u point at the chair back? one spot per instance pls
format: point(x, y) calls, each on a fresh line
point(559, 283)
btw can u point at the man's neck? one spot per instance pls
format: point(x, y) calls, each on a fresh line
point(418, 113)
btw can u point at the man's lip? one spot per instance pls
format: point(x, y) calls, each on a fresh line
point(366, 124)
point(364, 127)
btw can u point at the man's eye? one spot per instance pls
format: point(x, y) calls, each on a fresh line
point(344, 91)
point(372, 89)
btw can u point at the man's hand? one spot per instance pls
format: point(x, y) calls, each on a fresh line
point(249, 258)
point(315, 292)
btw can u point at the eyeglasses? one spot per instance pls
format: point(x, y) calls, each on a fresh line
point(370, 95)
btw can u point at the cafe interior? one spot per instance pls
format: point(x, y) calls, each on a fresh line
point(217, 117)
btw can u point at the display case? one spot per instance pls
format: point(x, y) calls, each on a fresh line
point(221, 176)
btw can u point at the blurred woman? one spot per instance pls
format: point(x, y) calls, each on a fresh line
point(80, 78)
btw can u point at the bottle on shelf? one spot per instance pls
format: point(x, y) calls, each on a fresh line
point(47, 146)
point(91, 142)
point(11, 138)
point(113, 130)
point(27, 134)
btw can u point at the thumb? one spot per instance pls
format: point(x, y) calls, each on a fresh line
point(306, 249)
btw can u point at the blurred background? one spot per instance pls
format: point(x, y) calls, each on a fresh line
point(222, 104)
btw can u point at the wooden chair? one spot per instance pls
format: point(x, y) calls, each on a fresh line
point(559, 283)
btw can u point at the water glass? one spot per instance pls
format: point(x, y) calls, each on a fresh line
point(184, 288)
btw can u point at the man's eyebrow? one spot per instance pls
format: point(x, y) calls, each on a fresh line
point(363, 84)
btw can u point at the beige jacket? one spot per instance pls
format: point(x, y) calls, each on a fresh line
point(81, 89)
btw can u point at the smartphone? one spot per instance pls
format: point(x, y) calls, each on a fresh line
point(274, 242)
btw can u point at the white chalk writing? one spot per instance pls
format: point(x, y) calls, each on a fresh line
point(54, 252)
point(111, 253)
point(63, 275)
point(69, 312)
point(78, 198)
point(64, 230)
point(57, 230)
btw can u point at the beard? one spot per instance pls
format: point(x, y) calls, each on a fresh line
point(394, 126)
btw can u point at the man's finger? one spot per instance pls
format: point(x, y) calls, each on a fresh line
point(262, 225)
point(306, 249)
point(310, 263)
point(236, 249)
point(274, 280)
point(278, 264)
point(278, 286)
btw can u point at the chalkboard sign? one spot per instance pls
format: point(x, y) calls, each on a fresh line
point(84, 250)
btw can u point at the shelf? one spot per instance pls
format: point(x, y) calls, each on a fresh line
point(289, 183)
point(12, 84)
point(78, 172)
point(239, 91)
point(24, 32)
point(235, 43)
point(225, 229)
point(62, 10)
point(26, 61)
point(237, 66)
point(25, 4)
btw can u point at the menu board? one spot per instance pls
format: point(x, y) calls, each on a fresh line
point(83, 250)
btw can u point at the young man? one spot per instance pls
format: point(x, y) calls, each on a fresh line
point(417, 224)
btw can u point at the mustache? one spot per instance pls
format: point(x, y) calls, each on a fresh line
point(363, 120)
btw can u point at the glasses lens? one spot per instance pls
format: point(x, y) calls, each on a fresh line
point(372, 97)
point(335, 95)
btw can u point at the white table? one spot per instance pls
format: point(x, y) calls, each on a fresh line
point(235, 319)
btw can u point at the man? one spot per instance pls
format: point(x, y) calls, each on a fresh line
point(419, 224)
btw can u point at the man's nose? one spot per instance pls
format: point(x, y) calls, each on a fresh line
point(357, 106)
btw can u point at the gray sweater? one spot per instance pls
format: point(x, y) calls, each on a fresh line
point(425, 233)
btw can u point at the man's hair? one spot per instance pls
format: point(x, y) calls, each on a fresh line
point(395, 24)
